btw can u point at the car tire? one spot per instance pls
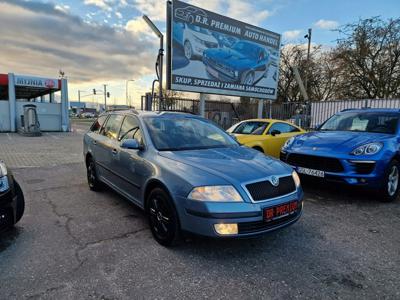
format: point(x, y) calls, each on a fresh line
point(247, 78)
point(163, 218)
point(93, 181)
point(188, 50)
point(391, 183)
point(20, 209)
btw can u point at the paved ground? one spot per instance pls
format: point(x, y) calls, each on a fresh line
point(76, 244)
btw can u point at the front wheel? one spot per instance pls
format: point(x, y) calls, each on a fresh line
point(163, 218)
point(390, 187)
point(188, 50)
point(248, 79)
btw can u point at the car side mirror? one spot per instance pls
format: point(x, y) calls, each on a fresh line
point(132, 144)
point(275, 132)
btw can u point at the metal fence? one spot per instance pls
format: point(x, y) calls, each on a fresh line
point(221, 112)
point(321, 111)
point(305, 114)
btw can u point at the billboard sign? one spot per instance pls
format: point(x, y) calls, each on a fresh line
point(213, 54)
point(36, 82)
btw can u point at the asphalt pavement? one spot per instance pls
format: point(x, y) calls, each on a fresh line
point(73, 243)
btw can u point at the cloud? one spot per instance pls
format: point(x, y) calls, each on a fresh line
point(99, 3)
point(291, 34)
point(118, 14)
point(326, 24)
point(237, 9)
point(40, 39)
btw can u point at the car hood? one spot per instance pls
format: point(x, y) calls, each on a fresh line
point(236, 165)
point(229, 57)
point(337, 141)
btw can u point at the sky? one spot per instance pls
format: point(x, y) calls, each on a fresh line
point(98, 42)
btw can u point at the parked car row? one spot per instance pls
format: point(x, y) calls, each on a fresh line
point(358, 147)
point(188, 175)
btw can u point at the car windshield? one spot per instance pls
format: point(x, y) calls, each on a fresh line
point(245, 48)
point(378, 122)
point(184, 133)
point(198, 29)
point(253, 127)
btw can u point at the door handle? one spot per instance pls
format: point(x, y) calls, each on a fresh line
point(114, 151)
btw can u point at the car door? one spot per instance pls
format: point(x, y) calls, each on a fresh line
point(278, 133)
point(108, 149)
point(131, 164)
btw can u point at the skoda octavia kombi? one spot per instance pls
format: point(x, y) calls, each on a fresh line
point(189, 175)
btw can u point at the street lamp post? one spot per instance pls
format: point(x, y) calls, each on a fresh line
point(126, 89)
point(308, 36)
point(160, 57)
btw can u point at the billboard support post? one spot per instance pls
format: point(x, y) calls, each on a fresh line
point(260, 108)
point(202, 108)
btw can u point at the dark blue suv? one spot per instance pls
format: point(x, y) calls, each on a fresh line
point(244, 63)
point(359, 147)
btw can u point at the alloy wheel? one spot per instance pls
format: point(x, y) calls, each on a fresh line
point(393, 180)
point(160, 217)
point(188, 50)
point(91, 174)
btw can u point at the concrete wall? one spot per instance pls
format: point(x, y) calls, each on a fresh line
point(49, 115)
point(4, 116)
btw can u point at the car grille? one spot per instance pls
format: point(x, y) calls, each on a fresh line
point(259, 226)
point(327, 164)
point(363, 168)
point(211, 45)
point(219, 67)
point(264, 190)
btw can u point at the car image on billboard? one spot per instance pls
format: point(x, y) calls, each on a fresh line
point(214, 54)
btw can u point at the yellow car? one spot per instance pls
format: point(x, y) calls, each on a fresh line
point(265, 135)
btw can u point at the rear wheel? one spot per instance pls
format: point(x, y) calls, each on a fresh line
point(390, 188)
point(20, 202)
point(163, 218)
point(93, 181)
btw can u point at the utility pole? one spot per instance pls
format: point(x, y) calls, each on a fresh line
point(105, 97)
point(79, 96)
point(308, 36)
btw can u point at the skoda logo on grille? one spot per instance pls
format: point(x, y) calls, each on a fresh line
point(274, 180)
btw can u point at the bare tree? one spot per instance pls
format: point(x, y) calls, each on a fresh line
point(368, 59)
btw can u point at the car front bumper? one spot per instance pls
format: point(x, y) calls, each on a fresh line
point(200, 217)
point(364, 172)
point(8, 204)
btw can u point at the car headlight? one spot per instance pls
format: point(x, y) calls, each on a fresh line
point(296, 179)
point(199, 40)
point(4, 186)
point(288, 143)
point(218, 193)
point(368, 149)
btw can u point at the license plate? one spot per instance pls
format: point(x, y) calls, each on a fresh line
point(280, 211)
point(311, 172)
point(212, 72)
